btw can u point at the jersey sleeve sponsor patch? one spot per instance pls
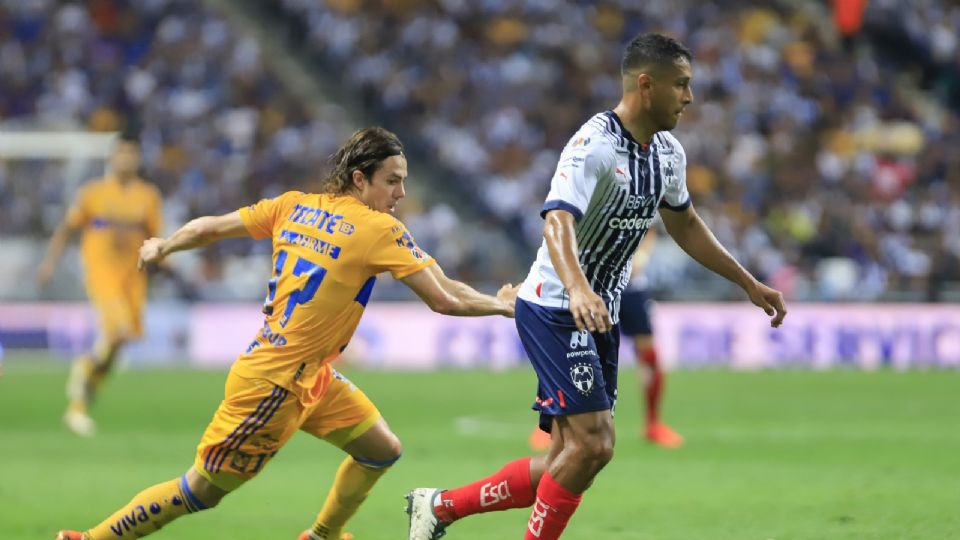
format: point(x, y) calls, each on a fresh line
point(585, 158)
point(398, 252)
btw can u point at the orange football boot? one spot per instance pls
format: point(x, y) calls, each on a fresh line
point(661, 435)
point(539, 440)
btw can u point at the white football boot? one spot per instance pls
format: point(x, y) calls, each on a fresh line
point(424, 524)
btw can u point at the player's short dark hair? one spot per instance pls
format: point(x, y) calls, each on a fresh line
point(364, 151)
point(652, 49)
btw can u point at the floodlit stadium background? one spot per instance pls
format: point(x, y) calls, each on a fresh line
point(822, 150)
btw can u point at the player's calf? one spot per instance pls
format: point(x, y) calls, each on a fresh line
point(587, 457)
point(354, 480)
point(587, 447)
point(432, 510)
point(155, 507)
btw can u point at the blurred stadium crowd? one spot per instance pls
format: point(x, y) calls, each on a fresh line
point(819, 152)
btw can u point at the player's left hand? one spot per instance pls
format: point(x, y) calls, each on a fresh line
point(508, 295)
point(769, 300)
point(151, 252)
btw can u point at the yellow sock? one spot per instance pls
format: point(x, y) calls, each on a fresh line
point(78, 382)
point(149, 510)
point(350, 487)
point(79, 406)
point(99, 369)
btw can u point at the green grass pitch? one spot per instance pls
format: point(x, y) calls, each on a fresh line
point(769, 455)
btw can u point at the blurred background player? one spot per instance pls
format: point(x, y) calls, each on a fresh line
point(327, 250)
point(636, 322)
point(115, 214)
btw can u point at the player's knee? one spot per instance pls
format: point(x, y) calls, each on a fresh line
point(378, 464)
point(116, 343)
point(106, 352)
point(592, 451)
point(387, 453)
point(393, 447)
point(598, 452)
point(203, 493)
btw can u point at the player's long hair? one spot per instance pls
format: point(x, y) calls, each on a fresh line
point(364, 151)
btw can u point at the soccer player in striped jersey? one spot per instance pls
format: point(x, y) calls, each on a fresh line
point(617, 170)
point(327, 250)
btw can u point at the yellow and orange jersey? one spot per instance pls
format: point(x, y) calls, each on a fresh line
point(115, 219)
point(327, 251)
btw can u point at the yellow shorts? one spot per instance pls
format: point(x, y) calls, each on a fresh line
point(256, 418)
point(119, 312)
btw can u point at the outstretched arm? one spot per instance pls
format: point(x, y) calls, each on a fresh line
point(196, 233)
point(588, 310)
point(451, 297)
point(693, 235)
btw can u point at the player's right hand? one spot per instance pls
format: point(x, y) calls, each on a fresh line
point(508, 295)
point(589, 311)
point(770, 301)
point(151, 252)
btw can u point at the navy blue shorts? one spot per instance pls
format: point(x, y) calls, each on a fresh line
point(576, 371)
point(635, 313)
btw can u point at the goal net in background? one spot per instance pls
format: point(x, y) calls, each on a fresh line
point(40, 171)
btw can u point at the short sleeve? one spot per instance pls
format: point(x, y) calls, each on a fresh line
point(260, 218)
point(675, 194)
point(396, 251)
point(583, 161)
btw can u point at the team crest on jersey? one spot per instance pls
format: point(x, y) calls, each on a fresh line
point(582, 377)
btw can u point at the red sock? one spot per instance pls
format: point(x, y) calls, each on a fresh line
point(507, 488)
point(552, 510)
point(654, 387)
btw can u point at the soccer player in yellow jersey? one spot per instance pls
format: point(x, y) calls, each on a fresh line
point(115, 215)
point(327, 251)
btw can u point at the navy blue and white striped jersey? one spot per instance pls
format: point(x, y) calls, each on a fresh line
point(612, 185)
